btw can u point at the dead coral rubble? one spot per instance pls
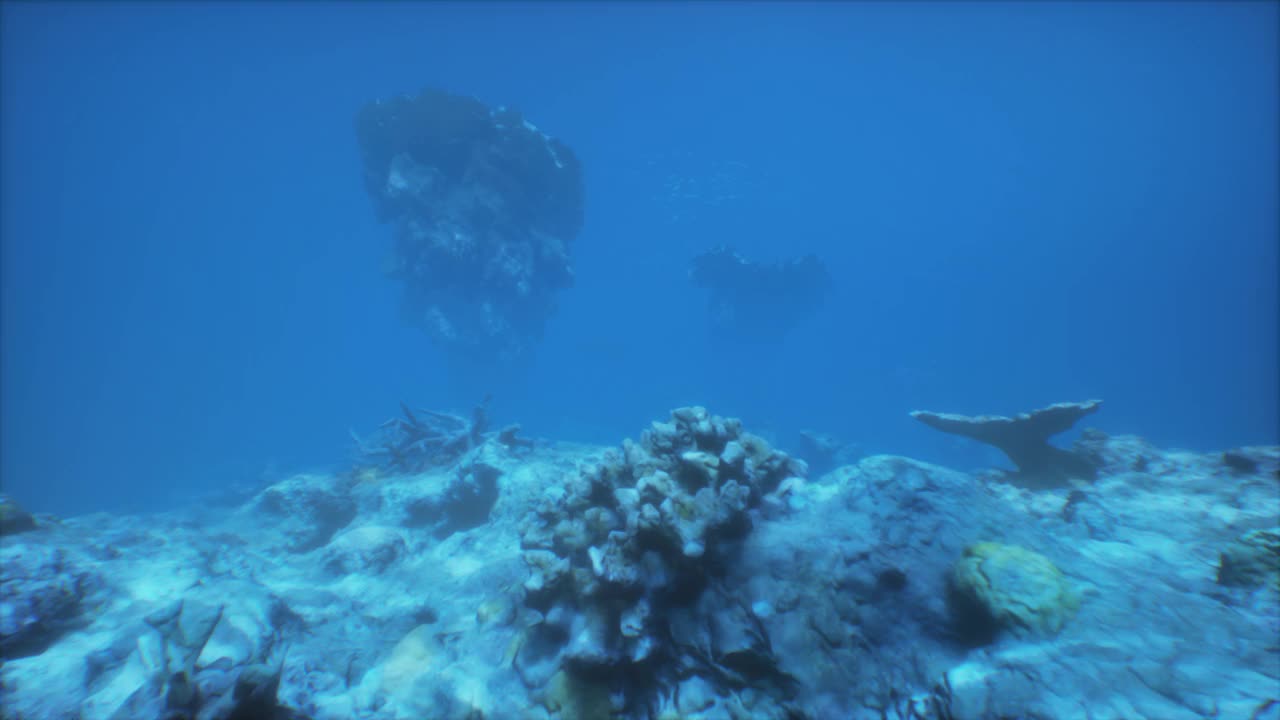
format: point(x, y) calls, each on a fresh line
point(415, 442)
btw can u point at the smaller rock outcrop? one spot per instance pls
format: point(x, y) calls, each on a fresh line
point(1252, 560)
point(305, 511)
point(14, 518)
point(825, 452)
point(1024, 438)
point(44, 593)
point(450, 502)
point(752, 300)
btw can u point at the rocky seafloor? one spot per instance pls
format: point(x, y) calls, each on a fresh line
point(695, 572)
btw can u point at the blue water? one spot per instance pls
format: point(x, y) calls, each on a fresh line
point(1018, 203)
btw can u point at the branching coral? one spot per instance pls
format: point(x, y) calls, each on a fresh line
point(413, 442)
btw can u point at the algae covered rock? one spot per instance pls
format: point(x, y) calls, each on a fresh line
point(1252, 560)
point(1007, 587)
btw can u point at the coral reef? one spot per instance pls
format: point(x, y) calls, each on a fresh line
point(695, 574)
point(631, 540)
point(758, 301)
point(484, 208)
point(852, 590)
point(1024, 438)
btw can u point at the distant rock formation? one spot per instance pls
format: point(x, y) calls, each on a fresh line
point(754, 300)
point(1025, 439)
point(484, 207)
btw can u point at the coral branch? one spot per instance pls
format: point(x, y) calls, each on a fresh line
point(429, 438)
point(1025, 439)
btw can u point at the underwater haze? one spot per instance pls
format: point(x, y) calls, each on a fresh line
point(1015, 204)
point(639, 361)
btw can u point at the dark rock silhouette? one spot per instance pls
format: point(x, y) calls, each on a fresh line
point(484, 208)
point(755, 300)
point(825, 452)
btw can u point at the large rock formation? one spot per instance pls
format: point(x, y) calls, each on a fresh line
point(484, 207)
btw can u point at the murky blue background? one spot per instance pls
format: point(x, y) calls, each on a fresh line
point(1020, 203)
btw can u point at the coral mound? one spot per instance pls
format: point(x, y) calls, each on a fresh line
point(1014, 589)
point(642, 532)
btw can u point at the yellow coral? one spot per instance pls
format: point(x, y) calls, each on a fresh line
point(1021, 590)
